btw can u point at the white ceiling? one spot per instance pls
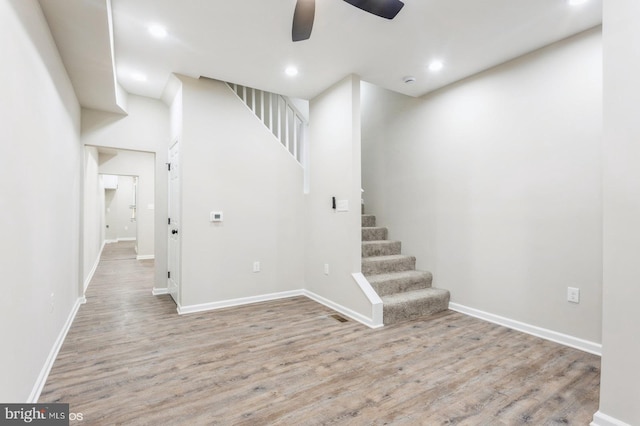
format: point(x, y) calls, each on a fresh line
point(249, 41)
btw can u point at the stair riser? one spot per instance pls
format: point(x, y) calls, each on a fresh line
point(414, 309)
point(374, 234)
point(386, 248)
point(385, 266)
point(401, 285)
point(368, 220)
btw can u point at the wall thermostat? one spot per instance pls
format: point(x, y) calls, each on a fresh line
point(215, 217)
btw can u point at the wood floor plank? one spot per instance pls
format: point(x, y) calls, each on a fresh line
point(130, 359)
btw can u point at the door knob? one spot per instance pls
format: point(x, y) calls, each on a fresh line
point(174, 231)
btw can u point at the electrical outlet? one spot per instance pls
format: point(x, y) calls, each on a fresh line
point(256, 266)
point(573, 294)
point(326, 269)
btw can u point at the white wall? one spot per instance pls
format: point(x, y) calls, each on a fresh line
point(126, 164)
point(494, 184)
point(334, 170)
point(231, 163)
point(145, 128)
point(118, 210)
point(40, 198)
point(174, 92)
point(110, 215)
point(620, 380)
point(126, 199)
point(93, 212)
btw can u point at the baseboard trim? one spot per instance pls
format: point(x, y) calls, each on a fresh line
point(369, 322)
point(126, 239)
point(46, 368)
point(159, 291)
point(145, 257)
point(554, 336)
point(110, 241)
point(87, 281)
point(601, 419)
point(190, 309)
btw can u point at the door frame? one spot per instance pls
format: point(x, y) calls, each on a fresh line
point(174, 240)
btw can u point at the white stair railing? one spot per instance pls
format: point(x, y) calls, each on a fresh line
point(279, 115)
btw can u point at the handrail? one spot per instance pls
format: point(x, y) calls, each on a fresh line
point(279, 115)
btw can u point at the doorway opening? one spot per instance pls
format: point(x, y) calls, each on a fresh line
point(120, 205)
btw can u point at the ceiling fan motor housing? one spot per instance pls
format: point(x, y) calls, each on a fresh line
point(383, 8)
point(304, 14)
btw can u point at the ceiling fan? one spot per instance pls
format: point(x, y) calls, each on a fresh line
point(306, 9)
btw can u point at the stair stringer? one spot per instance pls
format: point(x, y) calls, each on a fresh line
point(374, 298)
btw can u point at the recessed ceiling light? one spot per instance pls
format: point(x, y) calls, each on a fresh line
point(291, 71)
point(409, 79)
point(158, 31)
point(138, 76)
point(435, 66)
point(576, 2)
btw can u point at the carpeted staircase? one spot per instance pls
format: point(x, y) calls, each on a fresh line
point(405, 293)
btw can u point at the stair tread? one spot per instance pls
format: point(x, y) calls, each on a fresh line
point(397, 282)
point(414, 304)
point(387, 257)
point(376, 248)
point(378, 278)
point(404, 297)
point(381, 242)
point(388, 263)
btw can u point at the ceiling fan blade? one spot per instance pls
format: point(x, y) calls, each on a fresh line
point(303, 20)
point(383, 8)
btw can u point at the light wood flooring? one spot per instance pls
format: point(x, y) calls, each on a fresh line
point(129, 359)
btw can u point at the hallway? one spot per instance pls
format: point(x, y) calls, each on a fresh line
point(123, 250)
point(130, 359)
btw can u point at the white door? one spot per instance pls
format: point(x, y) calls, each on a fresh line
point(174, 224)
